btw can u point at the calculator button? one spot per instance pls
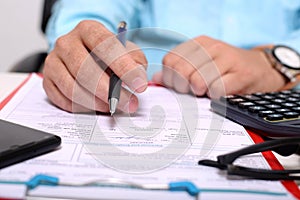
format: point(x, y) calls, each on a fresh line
point(264, 113)
point(263, 102)
point(286, 92)
point(295, 95)
point(256, 109)
point(235, 100)
point(258, 94)
point(283, 96)
point(296, 108)
point(273, 106)
point(278, 100)
point(292, 99)
point(274, 117)
point(267, 97)
point(282, 110)
point(245, 104)
point(291, 114)
point(226, 98)
point(250, 97)
point(289, 104)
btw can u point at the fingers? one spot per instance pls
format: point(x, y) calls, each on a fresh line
point(60, 84)
point(63, 90)
point(59, 99)
point(106, 46)
point(73, 75)
point(201, 79)
point(158, 78)
point(170, 61)
point(228, 84)
point(184, 64)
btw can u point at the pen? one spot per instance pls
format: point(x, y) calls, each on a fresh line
point(115, 82)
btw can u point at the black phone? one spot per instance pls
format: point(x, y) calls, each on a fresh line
point(19, 143)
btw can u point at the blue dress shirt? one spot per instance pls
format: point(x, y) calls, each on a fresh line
point(159, 25)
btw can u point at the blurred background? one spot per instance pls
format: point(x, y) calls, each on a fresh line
point(20, 33)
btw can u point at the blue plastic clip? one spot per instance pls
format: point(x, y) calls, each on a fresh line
point(186, 186)
point(41, 179)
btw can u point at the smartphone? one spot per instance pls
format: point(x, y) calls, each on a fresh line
point(19, 143)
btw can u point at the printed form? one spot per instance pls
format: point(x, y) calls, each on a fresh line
point(161, 143)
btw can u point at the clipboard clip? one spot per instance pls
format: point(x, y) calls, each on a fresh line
point(183, 186)
point(179, 186)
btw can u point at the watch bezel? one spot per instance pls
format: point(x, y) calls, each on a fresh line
point(278, 60)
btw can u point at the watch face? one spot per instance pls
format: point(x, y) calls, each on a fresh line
point(287, 57)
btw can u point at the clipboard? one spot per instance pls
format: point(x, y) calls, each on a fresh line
point(271, 159)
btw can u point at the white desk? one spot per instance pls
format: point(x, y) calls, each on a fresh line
point(9, 81)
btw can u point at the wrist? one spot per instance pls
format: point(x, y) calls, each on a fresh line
point(284, 60)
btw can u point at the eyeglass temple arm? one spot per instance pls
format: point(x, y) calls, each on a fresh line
point(271, 145)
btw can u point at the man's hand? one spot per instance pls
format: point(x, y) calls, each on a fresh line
point(208, 66)
point(77, 71)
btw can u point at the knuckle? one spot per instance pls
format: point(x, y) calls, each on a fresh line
point(126, 68)
point(101, 46)
point(94, 30)
point(49, 58)
point(167, 60)
point(184, 67)
point(62, 43)
point(220, 46)
point(86, 24)
point(203, 37)
point(46, 67)
point(49, 61)
point(139, 57)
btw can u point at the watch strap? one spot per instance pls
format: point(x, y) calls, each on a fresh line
point(290, 85)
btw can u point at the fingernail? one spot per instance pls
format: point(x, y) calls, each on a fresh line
point(139, 84)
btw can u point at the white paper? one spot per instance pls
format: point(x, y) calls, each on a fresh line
point(160, 147)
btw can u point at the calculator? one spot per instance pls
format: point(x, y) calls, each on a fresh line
point(272, 114)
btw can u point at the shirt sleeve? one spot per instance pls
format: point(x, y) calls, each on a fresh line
point(292, 40)
point(66, 14)
point(291, 37)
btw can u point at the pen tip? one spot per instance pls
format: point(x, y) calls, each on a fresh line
point(113, 102)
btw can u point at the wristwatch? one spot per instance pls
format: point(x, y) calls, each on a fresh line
point(286, 60)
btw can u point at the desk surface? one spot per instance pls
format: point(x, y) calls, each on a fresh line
point(9, 81)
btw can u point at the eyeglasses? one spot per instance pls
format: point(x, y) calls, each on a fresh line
point(284, 147)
